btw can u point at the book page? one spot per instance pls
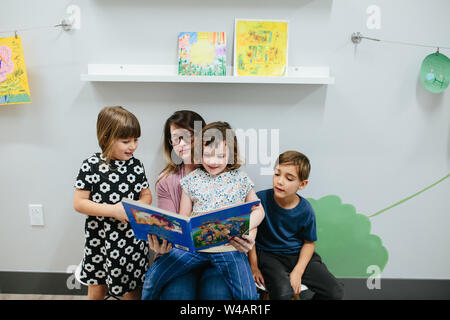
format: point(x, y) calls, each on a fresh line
point(219, 226)
point(146, 220)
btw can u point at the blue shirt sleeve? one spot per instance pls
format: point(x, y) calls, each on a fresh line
point(310, 232)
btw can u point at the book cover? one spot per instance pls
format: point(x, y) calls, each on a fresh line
point(202, 54)
point(208, 230)
point(260, 47)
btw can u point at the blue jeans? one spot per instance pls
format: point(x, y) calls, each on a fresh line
point(233, 266)
point(202, 284)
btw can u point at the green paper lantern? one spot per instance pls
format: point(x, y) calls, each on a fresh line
point(435, 72)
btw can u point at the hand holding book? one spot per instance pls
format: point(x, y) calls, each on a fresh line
point(158, 246)
point(243, 243)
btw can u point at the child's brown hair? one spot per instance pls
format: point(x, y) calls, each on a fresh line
point(297, 159)
point(216, 132)
point(115, 123)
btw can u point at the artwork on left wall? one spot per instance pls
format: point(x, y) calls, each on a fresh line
point(14, 87)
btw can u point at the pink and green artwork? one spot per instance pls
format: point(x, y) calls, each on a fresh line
point(202, 54)
point(14, 87)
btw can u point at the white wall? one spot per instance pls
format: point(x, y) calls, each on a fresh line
point(374, 137)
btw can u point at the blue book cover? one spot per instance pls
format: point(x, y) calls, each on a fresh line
point(208, 230)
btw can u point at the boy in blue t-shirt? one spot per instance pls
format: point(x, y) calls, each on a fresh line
point(283, 258)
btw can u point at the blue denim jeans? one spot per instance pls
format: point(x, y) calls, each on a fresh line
point(233, 267)
point(202, 284)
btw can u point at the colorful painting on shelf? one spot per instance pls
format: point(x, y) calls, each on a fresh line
point(202, 54)
point(260, 48)
point(13, 75)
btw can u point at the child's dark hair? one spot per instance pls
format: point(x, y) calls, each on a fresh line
point(115, 123)
point(216, 132)
point(297, 159)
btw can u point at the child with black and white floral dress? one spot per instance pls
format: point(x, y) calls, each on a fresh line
point(114, 260)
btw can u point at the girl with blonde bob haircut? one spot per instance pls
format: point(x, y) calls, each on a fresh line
point(114, 261)
point(115, 123)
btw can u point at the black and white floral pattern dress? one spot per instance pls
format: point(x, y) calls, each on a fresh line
point(112, 255)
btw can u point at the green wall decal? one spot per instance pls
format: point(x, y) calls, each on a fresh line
point(410, 197)
point(344, 240)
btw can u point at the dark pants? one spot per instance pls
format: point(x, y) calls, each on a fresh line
point(276, 268)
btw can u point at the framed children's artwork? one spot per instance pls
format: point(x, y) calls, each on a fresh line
point(202, 54)
point(260, 47)
point(13, 75)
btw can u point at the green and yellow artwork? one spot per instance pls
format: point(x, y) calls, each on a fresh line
point(202, 54)
point(13, 76)
point(261, 48)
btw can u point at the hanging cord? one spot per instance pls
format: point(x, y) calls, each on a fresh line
point(15, 31)
point(357, 37)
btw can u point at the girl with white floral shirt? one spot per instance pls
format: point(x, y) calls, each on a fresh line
point(218, 183)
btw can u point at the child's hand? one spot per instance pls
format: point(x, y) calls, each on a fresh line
point(296, 281)
point(242, 244)
point(119, 212)
point(154, 244)
point(257, 276)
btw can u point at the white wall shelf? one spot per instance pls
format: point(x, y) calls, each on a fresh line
point(168, 73)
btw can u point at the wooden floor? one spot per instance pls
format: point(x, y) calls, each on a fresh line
point(39, 297)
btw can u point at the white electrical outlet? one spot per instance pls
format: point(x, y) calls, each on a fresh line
point(36, 214)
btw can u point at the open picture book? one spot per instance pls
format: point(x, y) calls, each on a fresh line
point(208, 230)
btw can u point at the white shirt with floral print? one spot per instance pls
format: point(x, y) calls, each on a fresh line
point(210, 192)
